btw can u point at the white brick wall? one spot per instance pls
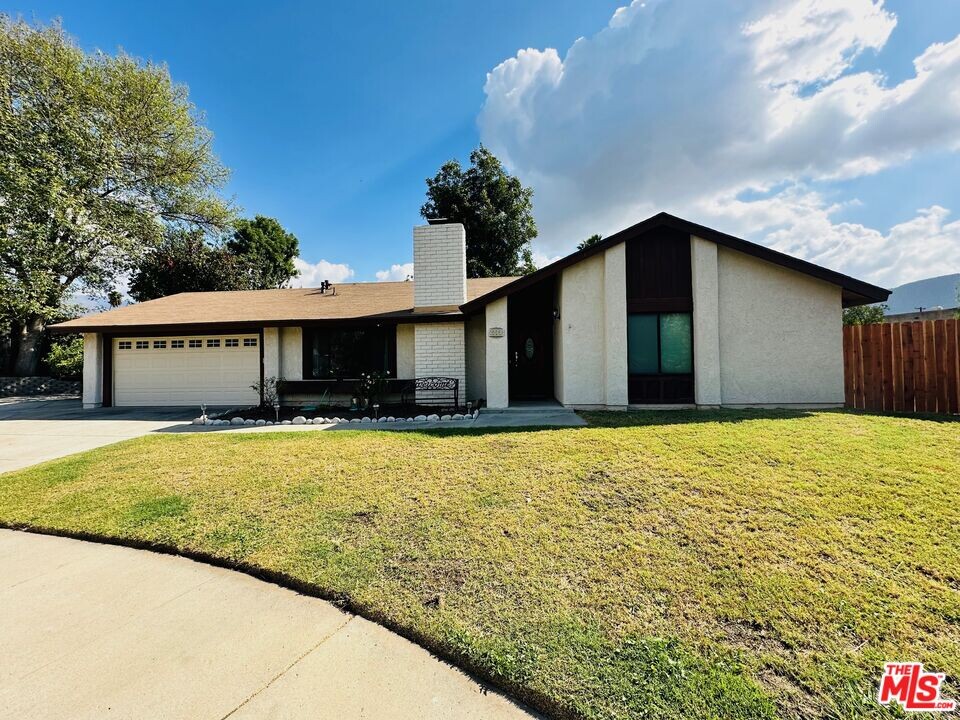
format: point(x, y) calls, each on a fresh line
point(440, 350)
point(440, 265)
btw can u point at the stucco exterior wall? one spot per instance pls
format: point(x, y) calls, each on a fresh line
point(476, 332)
point(781, 340)
point(93, 350)
point(406, 352)
point(705, 286)
point(615, 326)
point(497, 368)
point(291, 353)
point(440, 350)
point(271, 352)
point(590, 337)
point(582, 333)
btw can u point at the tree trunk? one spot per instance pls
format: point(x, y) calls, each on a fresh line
point(28, 349)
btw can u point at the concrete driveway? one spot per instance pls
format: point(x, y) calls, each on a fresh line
point(34, 429)
point(96, 631)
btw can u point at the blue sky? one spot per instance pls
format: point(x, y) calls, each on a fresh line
point(811, 140)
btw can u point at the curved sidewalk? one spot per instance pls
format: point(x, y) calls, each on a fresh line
point(94, 631)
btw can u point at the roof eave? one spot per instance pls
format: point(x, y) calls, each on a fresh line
point(400, 317)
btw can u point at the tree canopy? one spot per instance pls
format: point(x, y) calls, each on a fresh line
point(257, 256)
point(592, 240)
point(267, 249)
point(97, 154)
point(186, 262)
point(864, 314)
point(494, 208)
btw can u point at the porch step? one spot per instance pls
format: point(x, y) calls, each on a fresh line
point(553, 408)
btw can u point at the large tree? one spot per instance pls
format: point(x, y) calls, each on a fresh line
point(186, 262)
point(97, 154)
point(267, 249)
point(495, 209)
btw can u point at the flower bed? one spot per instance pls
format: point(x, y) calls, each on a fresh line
point(261, 416)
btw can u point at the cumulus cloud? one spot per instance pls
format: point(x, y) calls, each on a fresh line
point(312, 274)
point(395, 273)
point(653, 113)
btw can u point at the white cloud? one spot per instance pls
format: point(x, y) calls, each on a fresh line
point(396, 272)
point(815, 40)
point(541, 259)
point(684, 106)
point(312, 274)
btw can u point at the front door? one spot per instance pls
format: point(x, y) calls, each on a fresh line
point(530, 342)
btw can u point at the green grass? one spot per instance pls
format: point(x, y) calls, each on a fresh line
point(672, 565)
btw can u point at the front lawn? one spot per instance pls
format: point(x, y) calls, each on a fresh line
point(672, 565)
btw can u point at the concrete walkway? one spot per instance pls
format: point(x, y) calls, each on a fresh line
point(96, 631)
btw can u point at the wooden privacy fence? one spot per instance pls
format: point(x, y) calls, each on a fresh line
point(903, 367)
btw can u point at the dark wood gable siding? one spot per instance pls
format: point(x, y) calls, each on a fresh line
point(658, 272)
point(659, 281)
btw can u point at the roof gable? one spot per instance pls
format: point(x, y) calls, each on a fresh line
point(855, 292)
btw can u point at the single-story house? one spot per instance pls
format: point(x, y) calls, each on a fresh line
point(664, 313)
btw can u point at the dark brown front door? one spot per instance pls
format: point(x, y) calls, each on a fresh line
point(530, 343)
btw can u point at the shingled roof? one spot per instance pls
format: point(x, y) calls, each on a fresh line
point(391, 301)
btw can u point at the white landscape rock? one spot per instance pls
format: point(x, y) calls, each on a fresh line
point(284, 422)
point(457, 416)
point(445, 417)
point(236, 421)
point(409, 419)
point(269, 422)
point(198, 421)
point(476, 413)
point(355, 420)
point(433, 417)
point(299, 420)
point(208, 421)
point(249, 421)
point(380, 420)
point(365, 419)
point(421, 418)
point(261, 422)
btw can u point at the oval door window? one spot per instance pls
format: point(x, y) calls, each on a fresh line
point(528, 348)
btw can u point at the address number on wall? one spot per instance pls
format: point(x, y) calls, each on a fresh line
point(496, 332)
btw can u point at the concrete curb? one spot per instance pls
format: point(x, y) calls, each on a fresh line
point(536, 701)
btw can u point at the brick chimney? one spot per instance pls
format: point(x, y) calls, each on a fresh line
point(439, 265)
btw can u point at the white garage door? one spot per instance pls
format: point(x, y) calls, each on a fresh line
point(210, 369)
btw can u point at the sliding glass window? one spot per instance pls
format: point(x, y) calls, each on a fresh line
point(659, 344)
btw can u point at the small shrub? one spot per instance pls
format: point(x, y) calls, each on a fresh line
point(371, 388)
point(269, 390)
point(65, 358)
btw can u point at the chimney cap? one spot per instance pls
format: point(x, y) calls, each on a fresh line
point(436, 221)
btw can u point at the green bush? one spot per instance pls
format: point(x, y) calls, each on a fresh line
point(65, 359)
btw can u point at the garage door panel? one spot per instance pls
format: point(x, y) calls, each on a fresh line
point(157, 376)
